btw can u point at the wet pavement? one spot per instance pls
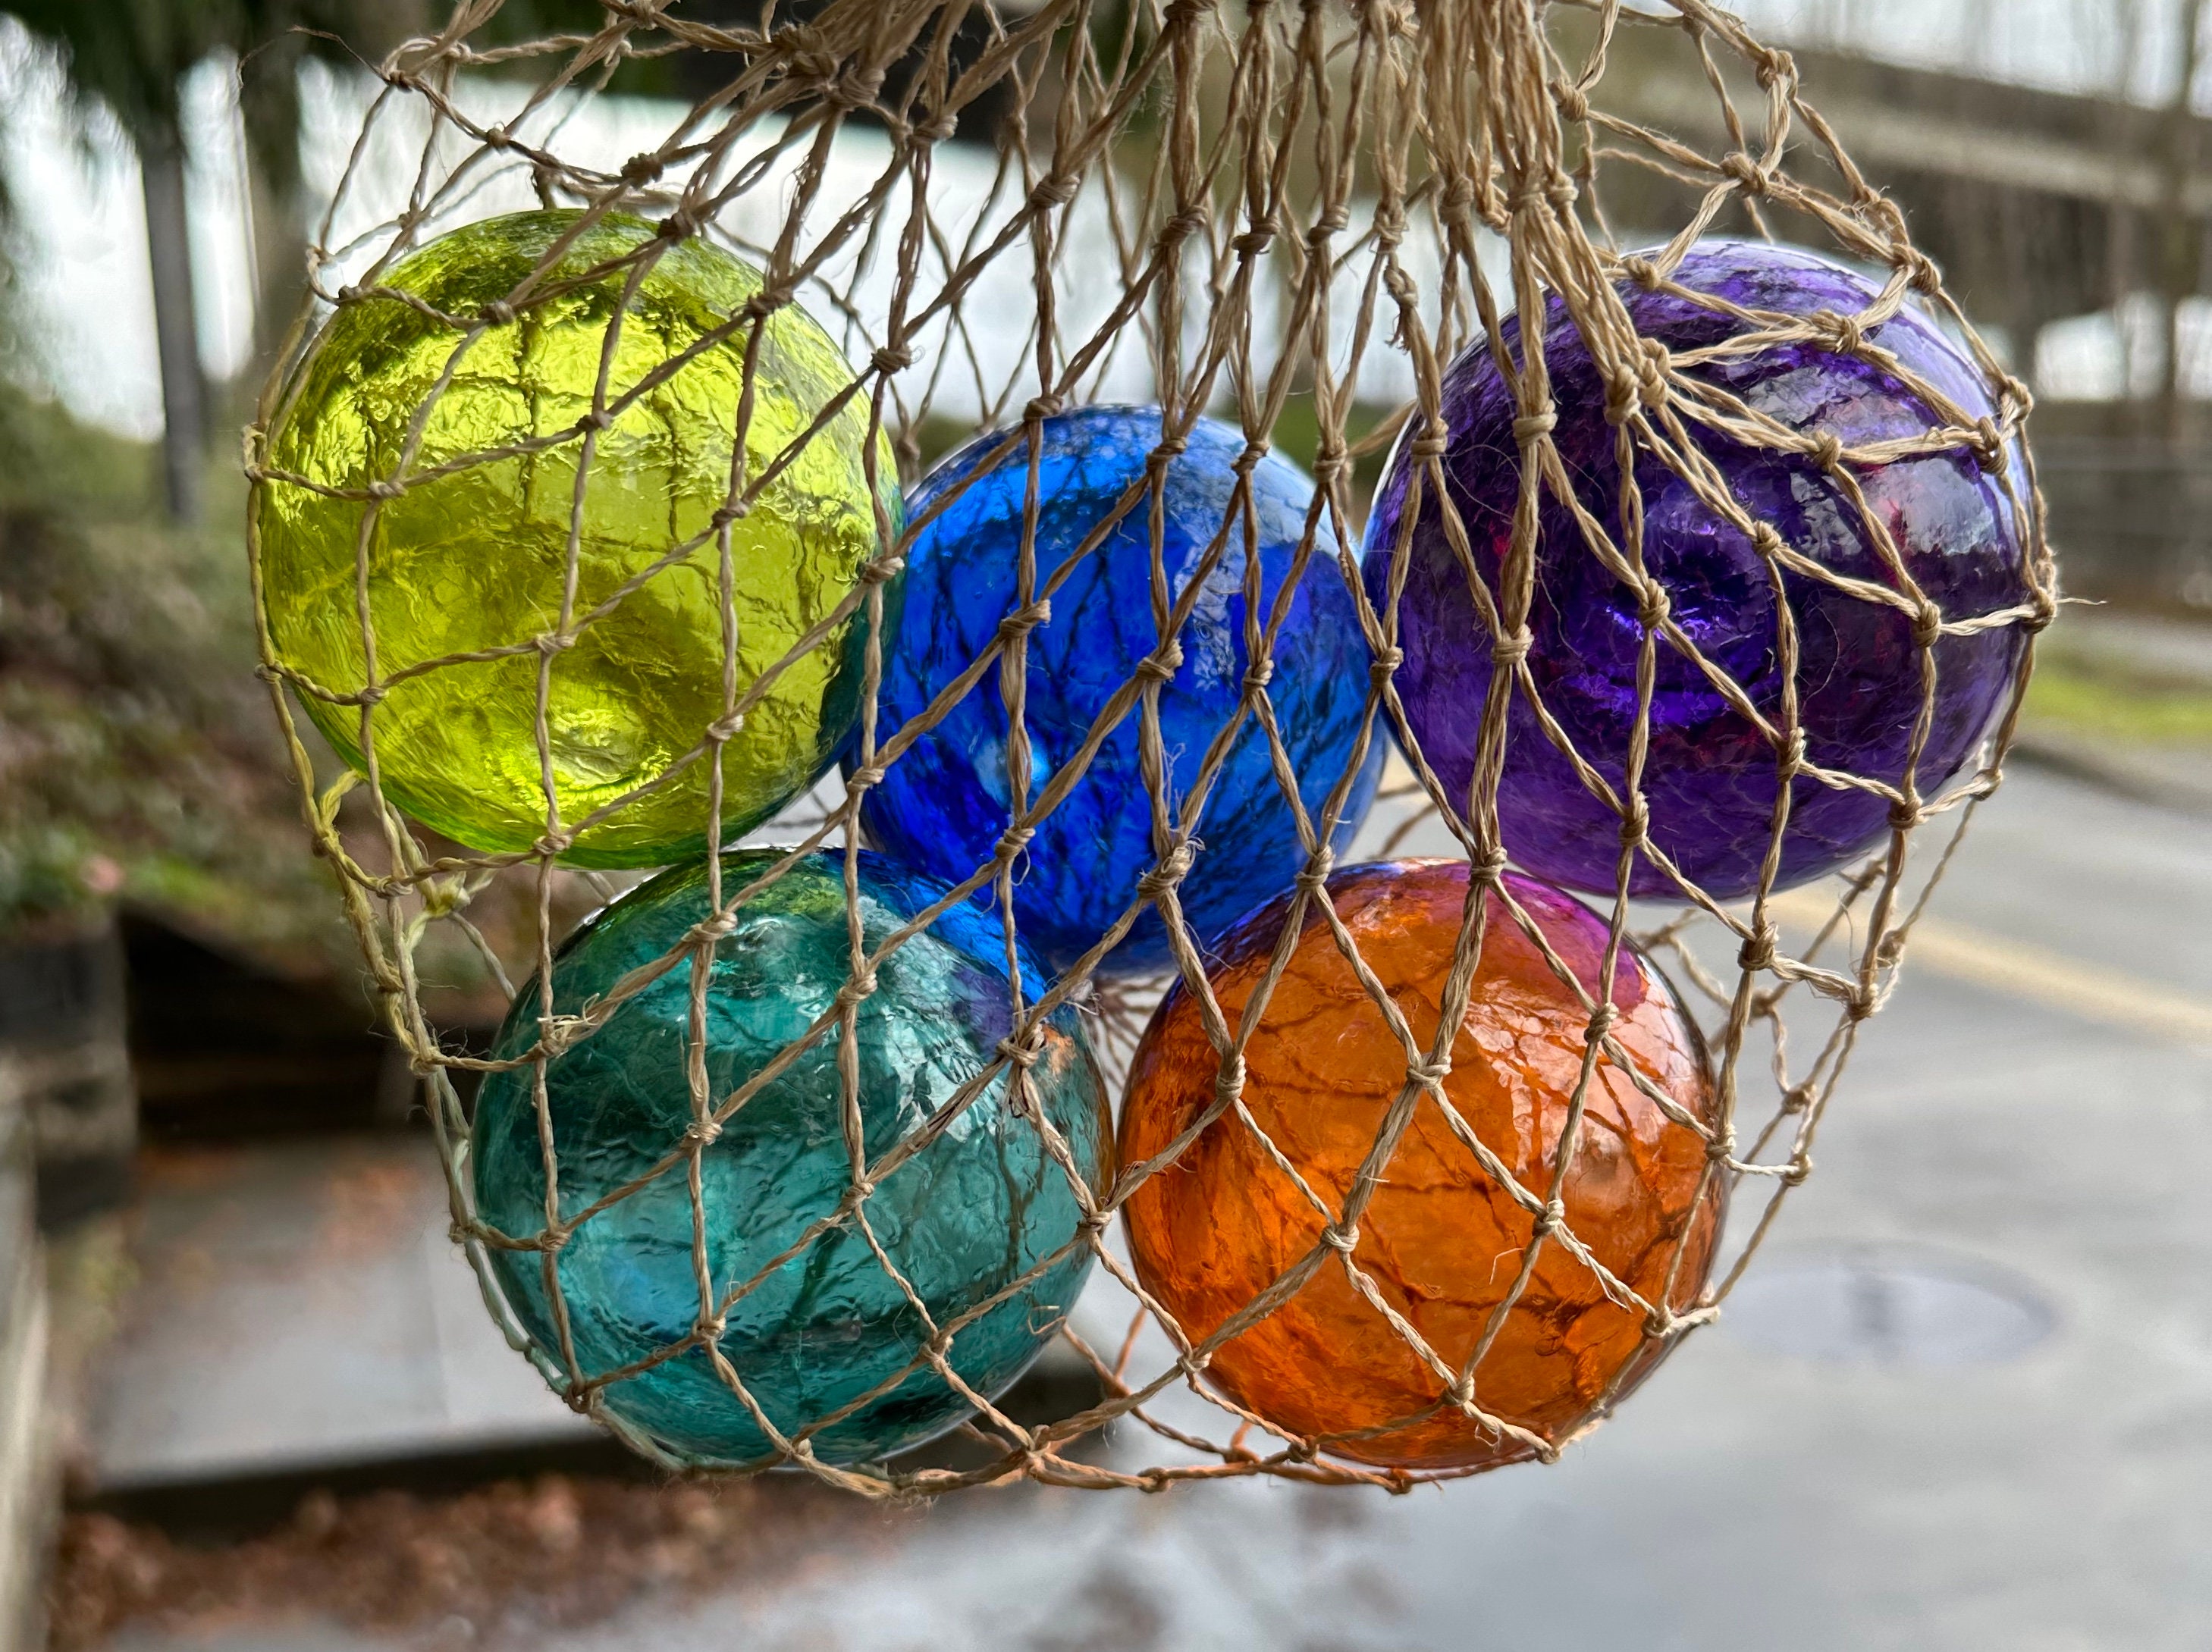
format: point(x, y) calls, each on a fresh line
point(1964, 1400)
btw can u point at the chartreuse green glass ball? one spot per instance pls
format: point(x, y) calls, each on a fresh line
point(980, 1219)
point(470, 554)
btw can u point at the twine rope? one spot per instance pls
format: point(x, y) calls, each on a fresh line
point(1290, 151)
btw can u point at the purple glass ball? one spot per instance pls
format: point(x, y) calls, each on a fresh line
point(1709, 779)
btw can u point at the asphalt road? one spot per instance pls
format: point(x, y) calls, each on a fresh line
point(1964, 1401)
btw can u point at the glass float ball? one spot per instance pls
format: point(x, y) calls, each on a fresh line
point(1710, 778)
point(1441, 1240)
point(473, 560)
point(966, 1218)
point(945, 804)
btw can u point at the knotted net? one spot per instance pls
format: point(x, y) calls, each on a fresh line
point(1289, 214)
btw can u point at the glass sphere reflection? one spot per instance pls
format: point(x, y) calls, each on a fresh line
point(946, 804)
point(1441, 1239)
point(978, 1206)
point(1710, 776)
point(474, 559)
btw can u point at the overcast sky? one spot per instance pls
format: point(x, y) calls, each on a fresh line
point(84, 306)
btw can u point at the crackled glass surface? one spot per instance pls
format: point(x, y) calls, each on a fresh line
point(1710, 778)
point(474, 560)
point(1441, 1239)
point(964, 1219)
point(945, 803)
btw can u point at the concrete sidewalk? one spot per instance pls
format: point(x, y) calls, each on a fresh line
point(1964, 1402)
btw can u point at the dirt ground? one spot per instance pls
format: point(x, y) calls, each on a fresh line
point(489, 1566)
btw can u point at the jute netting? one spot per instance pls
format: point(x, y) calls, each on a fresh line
point(1287, 215)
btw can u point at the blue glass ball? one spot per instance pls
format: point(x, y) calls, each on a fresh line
point(964, 1218)
point(945, 804)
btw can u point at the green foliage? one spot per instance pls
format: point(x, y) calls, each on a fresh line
point(2085, 697)
point(136, 752)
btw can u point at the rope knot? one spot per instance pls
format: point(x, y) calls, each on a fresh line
point(1256, 240)
point(1989, 446)
point(893, 358)
point(1173, 868)
point(856, 86)
point(1601, 1022)
point(1623, 395)
point(1904, 815)
point(1654, 359)
point(1387, 660)
point(1530, 426)
point(1023, 620)
point(1182, 226)
point(723, 730)
point(1229, 1079)
point(497, 313)
point(553, 844)
point(1431, 443)
point(1510, 650)
point(1552, 1217)
point(678, 226)
point(714, 926)
point(882, 570)
point(1042, 407)
point(866, 776)
point(1161, 666)
point(1845, 334)
point(1259, 674)
point(1753, 177)
point(1429, 1075)
point(1758, 952)
point(1054, 189)
point(1652, 607)
point(940, 125)
point(1341, 1238)
point(859, 986)
point(1313, 879)
point(1572, 102)
point(496, 138)
point(725, 514)
point(384, 488)
point(641, 169)
point(1927, 625)
point(702, 1134)
point(1019, 1055)
point(1827, 450)
point(1013, 841)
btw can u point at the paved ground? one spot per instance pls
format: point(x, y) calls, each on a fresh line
point(1966, 1403)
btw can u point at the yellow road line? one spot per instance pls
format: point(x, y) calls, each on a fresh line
point(2036, 974)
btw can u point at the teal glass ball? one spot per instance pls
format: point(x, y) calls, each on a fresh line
point(966, 1218)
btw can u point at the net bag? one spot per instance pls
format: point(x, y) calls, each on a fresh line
point(1284, 681)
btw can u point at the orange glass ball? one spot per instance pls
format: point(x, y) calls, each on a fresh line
point(1440, 1240)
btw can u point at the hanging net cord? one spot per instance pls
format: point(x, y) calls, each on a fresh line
point(1291, 196)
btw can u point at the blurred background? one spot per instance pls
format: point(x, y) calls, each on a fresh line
point(247, 1397)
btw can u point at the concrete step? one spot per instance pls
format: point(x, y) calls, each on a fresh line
point(300, 1309)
